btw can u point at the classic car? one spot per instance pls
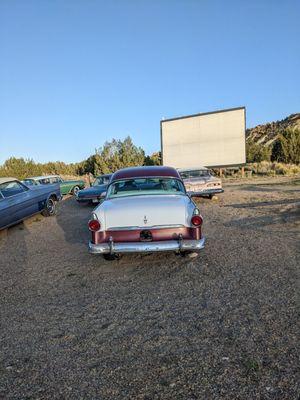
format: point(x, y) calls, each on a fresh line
point(94, 193)
point(146, 209)
point(201, 182)
point(66, 186)
point(18, 201)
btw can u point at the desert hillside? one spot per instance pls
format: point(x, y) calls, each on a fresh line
point(267, 133)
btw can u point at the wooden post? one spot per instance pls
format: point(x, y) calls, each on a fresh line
point(221, 173)
point(243, 172)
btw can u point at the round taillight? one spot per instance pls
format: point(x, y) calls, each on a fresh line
point(197, 220)
point(94, 225)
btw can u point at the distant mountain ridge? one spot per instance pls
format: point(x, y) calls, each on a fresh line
point(266, 134)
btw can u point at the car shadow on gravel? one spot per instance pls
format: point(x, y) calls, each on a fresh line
point(287, 215)
point(73, 219)
point(263, 203)
point(13, 249)
point(258, 188)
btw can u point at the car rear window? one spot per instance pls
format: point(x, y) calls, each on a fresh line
point(54, 179)
point(102, 180)
point(142, 186)
point(44, 181)
point(195, 173)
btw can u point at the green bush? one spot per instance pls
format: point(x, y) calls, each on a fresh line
point(295, 169)
point(281, 169)
point(256, 152)
point(154, 159)
point(112, 156)
point(286, 148)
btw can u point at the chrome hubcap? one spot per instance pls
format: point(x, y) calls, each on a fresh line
point(50, 206)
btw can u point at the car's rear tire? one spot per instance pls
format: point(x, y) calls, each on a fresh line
point(50, 207)
point(111, 257)
point(187, 253)
point(210, 196)
point(183, 253)
point(75, 190)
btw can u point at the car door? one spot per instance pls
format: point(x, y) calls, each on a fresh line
point(64, 186)
point(30, 201)
point(6, 216)
point(18, 202)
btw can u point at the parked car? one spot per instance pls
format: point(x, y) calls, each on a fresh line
point(66, 186)
point(145, 209)
point(18, 201)
point(94, 193)
point(201, 182)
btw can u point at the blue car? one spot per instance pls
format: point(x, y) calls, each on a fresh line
point(94, 193)
point(18, 201)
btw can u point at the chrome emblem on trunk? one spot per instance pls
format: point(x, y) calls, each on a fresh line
point(145, 219)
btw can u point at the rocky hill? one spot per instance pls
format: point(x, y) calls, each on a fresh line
point(267, 133)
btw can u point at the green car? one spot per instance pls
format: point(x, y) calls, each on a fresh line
point(66, 186)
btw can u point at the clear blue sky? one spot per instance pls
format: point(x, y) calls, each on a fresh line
point(75, 73)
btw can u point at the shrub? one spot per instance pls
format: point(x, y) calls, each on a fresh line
point(287, 147)
point(256, 152)
point(295, 169)
point(112, 156)
point(272, 168)
point(281, 169)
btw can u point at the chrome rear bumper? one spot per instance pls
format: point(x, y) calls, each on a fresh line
point(207, 192)
point(146, 247)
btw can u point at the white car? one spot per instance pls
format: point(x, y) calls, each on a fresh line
point(201, 182)
point(145, 209)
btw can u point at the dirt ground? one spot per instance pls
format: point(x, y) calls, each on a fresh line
point(222, 325)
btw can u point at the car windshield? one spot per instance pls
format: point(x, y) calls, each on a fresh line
point(199, 173)
point(101, 180)
point(142, 186)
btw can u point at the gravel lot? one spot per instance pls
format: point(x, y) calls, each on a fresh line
point(158, 326)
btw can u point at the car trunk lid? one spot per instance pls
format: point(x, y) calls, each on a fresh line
point(145, 211)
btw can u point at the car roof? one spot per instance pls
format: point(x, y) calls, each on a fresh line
point(145, 172)
point(37, 178)
point(191, 169)
point(5, 180)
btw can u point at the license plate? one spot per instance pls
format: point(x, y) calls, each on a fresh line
point(197, 189)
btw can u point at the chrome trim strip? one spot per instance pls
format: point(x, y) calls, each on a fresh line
point(134, 228)
point(207, 191)
point(147, 247)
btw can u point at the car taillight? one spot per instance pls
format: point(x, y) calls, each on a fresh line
point(94, 225)
point(197, 220)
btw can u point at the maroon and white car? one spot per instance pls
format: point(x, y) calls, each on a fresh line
point(146, 209)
